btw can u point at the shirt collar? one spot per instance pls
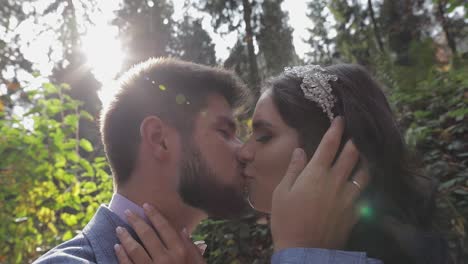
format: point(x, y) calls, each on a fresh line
point(120, 203)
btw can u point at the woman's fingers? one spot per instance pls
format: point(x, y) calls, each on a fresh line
point(167, 233)
point(321, 162)
point(147, 235)
point(133, 249)
point(122, 256)
point(296, 165)
point(329, 145)
point(357, 184)
point(165, 246)
point(346, 161)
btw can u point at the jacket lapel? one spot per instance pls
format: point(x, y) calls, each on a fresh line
point(100, 232)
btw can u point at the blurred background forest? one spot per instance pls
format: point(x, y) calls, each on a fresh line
point(58, 59)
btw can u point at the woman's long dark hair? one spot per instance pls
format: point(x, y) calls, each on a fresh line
point(399, 199)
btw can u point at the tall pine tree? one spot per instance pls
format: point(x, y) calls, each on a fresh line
point(240, 16)
point(319, 41)
point(192, 43)
point(275, 38)
point(145, 29)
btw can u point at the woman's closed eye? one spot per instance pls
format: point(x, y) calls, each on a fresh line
point(263, 138)
point(225, 133)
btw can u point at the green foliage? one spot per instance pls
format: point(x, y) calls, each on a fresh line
point(435, 113)
point(275, 38)
point(48, 192)
point(420, 64)
point(240, 16)
point(319, 39)
point(223, 12)
point(11, 13)
point(193, 43)
point(354, 40)
point(145, 30)
point(239, 241)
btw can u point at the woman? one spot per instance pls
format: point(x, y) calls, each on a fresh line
point(295, 110)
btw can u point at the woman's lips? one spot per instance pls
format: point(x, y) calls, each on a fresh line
point(247, 176)
point(247, 184)
point(247, 180)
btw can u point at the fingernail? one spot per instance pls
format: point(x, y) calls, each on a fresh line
point(128, 213)
point(119, 230)
point(117, 247)
point(199, 242)
point(185, 233)
point(202, 247)
point(148, 207)
point(297, 154)
point(337, 120)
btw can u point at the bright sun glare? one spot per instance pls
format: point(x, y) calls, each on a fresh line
point(103, 50)
point(105, 55)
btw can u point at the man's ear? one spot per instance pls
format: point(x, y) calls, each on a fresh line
point(153, 133)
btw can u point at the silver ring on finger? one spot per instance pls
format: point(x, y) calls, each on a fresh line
point(355, 183)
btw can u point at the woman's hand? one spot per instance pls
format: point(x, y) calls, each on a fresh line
point(165, 247)
point(314, 206)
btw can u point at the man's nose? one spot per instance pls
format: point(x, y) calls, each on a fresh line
point(245, 154)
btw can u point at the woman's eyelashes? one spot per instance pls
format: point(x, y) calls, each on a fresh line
point(263, 138)
point(225, 133)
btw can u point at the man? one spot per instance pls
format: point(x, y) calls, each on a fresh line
point(169, 136)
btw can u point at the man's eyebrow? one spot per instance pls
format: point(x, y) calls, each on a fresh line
point(228, 121)
point(257, 124)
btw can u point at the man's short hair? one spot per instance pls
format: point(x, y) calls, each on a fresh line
point(175, 91)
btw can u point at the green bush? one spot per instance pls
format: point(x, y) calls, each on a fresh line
point(48, 192)
point(434, 115)
point(247, 240)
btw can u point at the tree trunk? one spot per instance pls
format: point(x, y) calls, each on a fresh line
point(73, 27)
point(376, 27)
point(83, 83)
point(254, 78)
point(445, 26)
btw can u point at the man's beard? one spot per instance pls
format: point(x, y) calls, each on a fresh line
point(199, 187)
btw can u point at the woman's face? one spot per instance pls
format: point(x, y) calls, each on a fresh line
point(267, 152)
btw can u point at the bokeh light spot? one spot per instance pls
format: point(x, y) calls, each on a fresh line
point(365, 211)
point(180, 99)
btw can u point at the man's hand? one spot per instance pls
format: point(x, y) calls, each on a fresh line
point(170, 247)
point(315, 208)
